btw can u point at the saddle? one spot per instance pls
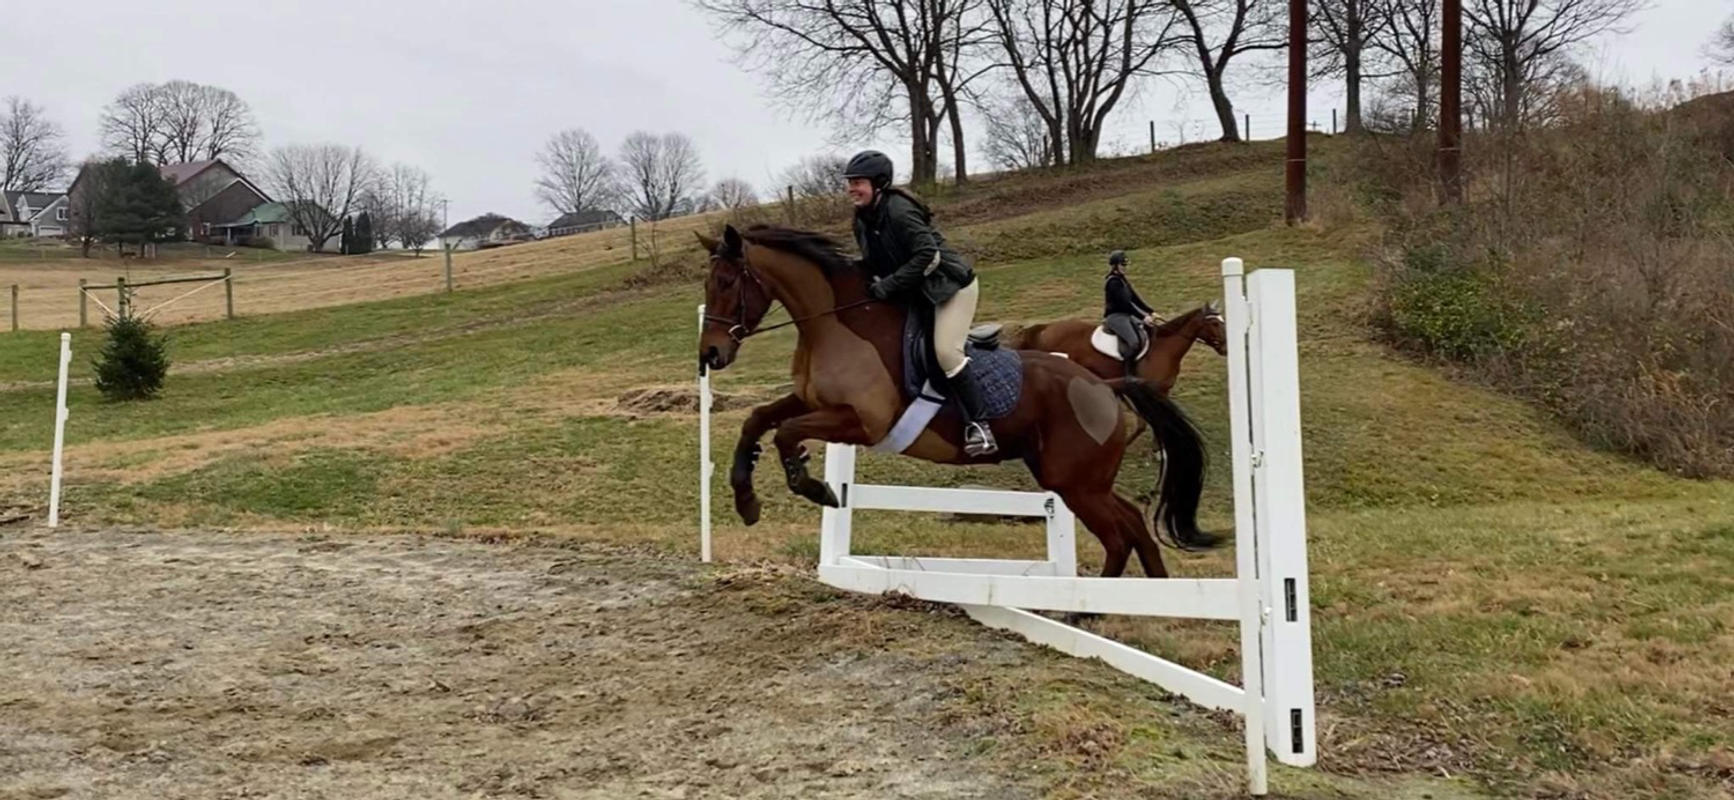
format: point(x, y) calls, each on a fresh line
point(999, 372)
point(1107, 342)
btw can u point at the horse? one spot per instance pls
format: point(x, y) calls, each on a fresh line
point(1160, 364)
point(848, 370)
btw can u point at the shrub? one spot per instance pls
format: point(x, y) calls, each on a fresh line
point(133, 361)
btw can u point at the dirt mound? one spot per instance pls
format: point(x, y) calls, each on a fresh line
point(680, 400)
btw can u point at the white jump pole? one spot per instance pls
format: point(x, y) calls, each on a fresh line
point(1245, 529)
point(59, 431)
point(705, 468)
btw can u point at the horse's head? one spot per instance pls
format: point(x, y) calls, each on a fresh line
point(735, 300)
point(1212, 329)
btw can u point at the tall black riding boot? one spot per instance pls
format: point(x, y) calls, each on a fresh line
point(977, 438)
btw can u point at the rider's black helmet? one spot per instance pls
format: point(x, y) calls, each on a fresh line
point(1117, 258)
point(872, 165)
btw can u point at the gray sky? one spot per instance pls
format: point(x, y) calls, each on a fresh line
point(470, 91)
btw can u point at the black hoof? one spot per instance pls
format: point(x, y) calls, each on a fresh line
point(817, 491)
point(748, 508)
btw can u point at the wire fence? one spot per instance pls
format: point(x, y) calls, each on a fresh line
point(66, 291)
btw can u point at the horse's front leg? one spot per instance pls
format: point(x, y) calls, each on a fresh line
point(747, 450)
point(838, 424)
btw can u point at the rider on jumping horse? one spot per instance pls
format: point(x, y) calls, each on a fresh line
point(913, 265)
point(1125, 314)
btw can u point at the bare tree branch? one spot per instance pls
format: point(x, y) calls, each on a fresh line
point(576, 175)
point(660, 174)
point(403, 206)
point(1516, 40)
point(1244, 26)
point(1410, 38)
point(320, 185)
point(734, 193)
point(178, 121)
point(1721, 47)
point(32, 148)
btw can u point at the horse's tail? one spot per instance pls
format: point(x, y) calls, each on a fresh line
point(1181, 478)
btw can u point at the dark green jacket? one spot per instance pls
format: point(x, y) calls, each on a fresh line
point(898, 243)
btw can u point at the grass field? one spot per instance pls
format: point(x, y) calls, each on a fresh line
point(1494, 601)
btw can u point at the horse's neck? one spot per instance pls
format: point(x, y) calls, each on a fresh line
point(1177, 335)
point(880, 324)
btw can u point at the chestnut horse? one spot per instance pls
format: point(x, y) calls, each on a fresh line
point(848, 368)
point(1160, 365)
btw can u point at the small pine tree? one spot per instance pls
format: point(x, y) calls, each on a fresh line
point(133, 361)
point(363, 233)
point(346, 243)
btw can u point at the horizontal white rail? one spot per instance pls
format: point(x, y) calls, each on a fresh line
point(970, 566)
point(1192, 598)
point(958, 501)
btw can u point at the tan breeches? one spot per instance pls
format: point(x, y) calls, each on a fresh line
point(951, 323)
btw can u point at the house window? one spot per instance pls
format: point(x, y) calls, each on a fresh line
point(207, 227)
point(60, 214)
point(298, 231)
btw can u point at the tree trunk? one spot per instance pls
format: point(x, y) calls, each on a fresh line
point(1352, 66)
point(1224, 108)
point(958, 151)
point(1511, 91)
point(1421, 105)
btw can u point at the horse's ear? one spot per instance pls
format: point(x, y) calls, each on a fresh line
point(706, 242)
point(732, 240)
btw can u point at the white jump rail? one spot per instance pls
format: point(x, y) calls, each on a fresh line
point(60, 415)
point(1268, 597)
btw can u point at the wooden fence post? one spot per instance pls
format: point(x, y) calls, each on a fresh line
point(229, 291)
point(448, 269)
point(83, 303)
point(634, 223)
point(1333, 122)
point(15, 307)
point(790, 203)
point(120, 287)
point(1246, 127)
point(1152, 136)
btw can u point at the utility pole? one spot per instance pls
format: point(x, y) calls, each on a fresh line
point(1451, 103)
point(1295, 209)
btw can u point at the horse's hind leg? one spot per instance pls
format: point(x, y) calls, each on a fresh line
point(762, 420)
point(1101, 515)
point(1142, 541)
point(836, 424)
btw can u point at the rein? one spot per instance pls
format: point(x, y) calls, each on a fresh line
point(738, 330)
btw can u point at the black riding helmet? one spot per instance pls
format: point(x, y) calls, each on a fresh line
point(872, 165)
point(1117, 258)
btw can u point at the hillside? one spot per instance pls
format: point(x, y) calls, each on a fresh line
point(1495, 603)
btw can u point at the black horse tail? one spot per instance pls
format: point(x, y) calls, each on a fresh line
point(1183, 464)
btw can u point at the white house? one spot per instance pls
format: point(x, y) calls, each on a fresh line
point(33, 213)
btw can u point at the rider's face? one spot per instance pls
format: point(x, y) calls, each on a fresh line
point(861, 191)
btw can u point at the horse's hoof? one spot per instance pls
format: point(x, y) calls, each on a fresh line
point(748, 509)
point(820, 492)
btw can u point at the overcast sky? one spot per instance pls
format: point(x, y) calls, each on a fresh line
point(470, 91)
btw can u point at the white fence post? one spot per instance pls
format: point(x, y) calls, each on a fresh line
point(59, 431)
point(705, 468)
point(836, 525)
point(1062, 538)
point(1246, 539)
point(1280, 492)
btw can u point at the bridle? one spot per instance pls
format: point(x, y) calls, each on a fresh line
point(739, 331)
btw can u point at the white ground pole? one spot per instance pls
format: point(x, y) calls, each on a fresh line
point(59, 431)
point(705, 468)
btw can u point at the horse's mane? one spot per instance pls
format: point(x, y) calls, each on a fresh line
point(811, 245)
point(1174, 324)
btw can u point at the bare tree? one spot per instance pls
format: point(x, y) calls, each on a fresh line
point(32, 148)
point(576, 175)
point(1344, 32)
point(1515, 40)
point(1075, 59)
point(320, 185)
point(1409, 39)
point(733, 193)
point(660, 173)
point(816, 176)
point(178, 121)
point(1721, 47)
point(1245, 26)
point(1017, 137)
point(864, 64)
point(402, 206)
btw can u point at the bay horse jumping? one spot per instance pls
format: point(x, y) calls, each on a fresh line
point(1160, 364)
point(847, 370)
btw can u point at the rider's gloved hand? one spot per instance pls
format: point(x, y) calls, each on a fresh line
point(879, 290)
